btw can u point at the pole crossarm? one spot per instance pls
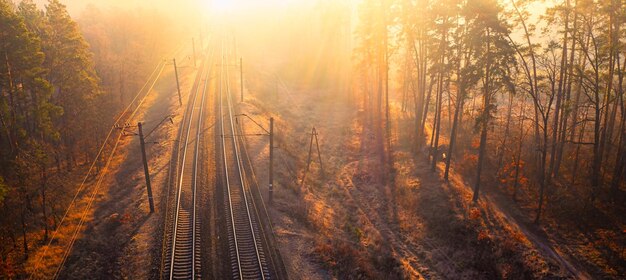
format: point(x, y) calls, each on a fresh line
point(240, 135)
point(123, 128)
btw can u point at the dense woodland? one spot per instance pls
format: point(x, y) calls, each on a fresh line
point(531, 104)
point(61, 86)
point(549, 102)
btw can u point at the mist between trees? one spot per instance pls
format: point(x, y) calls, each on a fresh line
point(553, 98)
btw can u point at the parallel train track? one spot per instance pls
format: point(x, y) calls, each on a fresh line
point(247, 258)
point(183, 242)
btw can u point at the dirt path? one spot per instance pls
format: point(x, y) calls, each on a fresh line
point(501, 207)
point(498, 205)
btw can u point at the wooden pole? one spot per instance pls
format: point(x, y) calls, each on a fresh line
point(319, 154)
point(241, 76)
point(271, 182)
point(193, 45)
point(145, 168)
point(180, 98)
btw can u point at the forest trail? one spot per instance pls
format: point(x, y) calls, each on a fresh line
point(499, 206)
point(547, 248)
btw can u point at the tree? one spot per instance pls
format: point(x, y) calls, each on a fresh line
point(466, 78)
point(25, 114)
point(444, 14)
point(71, 72)
point(488, 32)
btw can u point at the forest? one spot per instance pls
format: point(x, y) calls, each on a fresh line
point(61, 86)
point(531, 100)
point(522, 101)
point(528, 103)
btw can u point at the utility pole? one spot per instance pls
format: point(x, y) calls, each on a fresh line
point(193, 45)
point(180, 99)
point(145, 167)
point(319, 156)
point(241, 76)
point(234, 47)
point(271, 187)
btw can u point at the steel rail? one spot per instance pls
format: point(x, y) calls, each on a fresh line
point(200, 89)
point(237, 159)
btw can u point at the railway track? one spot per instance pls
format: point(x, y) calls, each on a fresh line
point(247, 257)
point(183, 254)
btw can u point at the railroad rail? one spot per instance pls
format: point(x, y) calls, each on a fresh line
point(247, 258)
point(183, 243)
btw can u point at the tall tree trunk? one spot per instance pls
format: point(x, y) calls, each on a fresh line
point(559, 95)
point(460, 98)
point(568, 93)
point(419, 96)
point(481, 149)
point(597, 129)
point(613, 41)
point(484, 121)
point(436, 116)
point(620, 161)
point(437, 128)
point(533, 84)
point(542, 172)
point(12, 126)
point(518, 154)
point(437, 124)
point(427, 103)
point(581, 136)
point(24, 231)
point(386, 68)
point(506, 134)
point(44, 181)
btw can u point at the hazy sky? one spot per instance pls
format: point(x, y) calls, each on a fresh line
point(75, 7)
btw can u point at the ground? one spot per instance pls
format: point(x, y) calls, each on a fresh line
point(350, 224)
point(350, 216)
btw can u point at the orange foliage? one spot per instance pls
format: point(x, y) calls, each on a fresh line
point(7, 268)
point(470, 158)
point(474, 214)
point(476, 143)
point(468, 163)
point(126, 218)
point(483, 235)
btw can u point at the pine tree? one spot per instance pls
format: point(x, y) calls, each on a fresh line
point(493, 53)
point(25, 115)
point(73, 76)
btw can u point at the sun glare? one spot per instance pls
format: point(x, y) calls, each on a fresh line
point(222, 5)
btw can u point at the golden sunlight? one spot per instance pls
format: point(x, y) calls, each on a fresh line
point(312, 139)
point(222, 5)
